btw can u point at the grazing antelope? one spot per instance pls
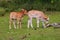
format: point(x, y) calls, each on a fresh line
point(39, 15)
point(16, 17)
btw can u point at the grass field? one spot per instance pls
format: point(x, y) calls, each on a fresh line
point(30, 34)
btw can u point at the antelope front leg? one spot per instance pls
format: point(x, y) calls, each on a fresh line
point(28, 23)
point(14, 23)
point(44, 26)
point(38, 23)
point(31, 23)
point(10, 22)
point(20, 24)
point(17, 24)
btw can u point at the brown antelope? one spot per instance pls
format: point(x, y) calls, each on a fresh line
point(16, 17)
point(39, 15)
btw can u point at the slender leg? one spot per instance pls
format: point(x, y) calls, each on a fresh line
point(10, 22)
point(31, 23)
point(20, 23)
point(37, 22)
point(14, 23)
point(17, 24)
point(28, 23)
point(43, 24)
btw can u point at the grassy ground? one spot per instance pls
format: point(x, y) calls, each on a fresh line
point(30, 34)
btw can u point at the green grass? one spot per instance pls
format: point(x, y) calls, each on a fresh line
point(30, 34)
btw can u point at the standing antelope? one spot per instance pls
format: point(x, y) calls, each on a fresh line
point(16, 17)
point(39, 15)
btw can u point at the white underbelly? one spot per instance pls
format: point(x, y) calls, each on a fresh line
point(34, 16)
